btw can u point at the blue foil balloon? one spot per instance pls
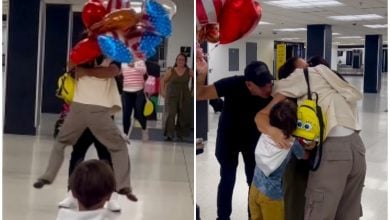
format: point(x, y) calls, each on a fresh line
point(148, 44)
point(159, 17)
point(115, 49)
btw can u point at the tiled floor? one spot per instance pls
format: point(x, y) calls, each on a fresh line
point(162, 178)
point(373, 118)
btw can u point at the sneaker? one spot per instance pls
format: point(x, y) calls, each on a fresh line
point(145, 135)
point(113, 204)
point(69, 202)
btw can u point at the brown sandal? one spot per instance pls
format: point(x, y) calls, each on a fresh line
point(127, 192)
point(40, 183)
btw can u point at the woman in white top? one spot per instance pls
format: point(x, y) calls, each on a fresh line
point(133, 96)
point(334, 190)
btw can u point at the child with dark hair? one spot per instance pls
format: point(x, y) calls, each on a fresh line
point(266, 191)
point(92, 184)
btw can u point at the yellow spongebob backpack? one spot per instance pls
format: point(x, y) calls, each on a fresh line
point(66, 86)
point(311, 124)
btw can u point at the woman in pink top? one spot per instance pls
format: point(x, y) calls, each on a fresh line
point(133, 96)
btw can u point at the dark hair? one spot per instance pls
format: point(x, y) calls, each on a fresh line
point(91, 182)
point(185, 60)
point(287, 68)
point(283, 115)
point(317, 60)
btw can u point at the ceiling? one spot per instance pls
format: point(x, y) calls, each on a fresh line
point(300, 17)
point(77, 5)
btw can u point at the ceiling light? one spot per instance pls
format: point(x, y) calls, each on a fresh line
point(375, 26)
point(304, 3)
point(335, 34)
point(290, 38)
point(264, 23)
point(349, 37)
point(356, 17)
point(290, 29)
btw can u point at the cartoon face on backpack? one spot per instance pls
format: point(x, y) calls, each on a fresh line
point(308, 125)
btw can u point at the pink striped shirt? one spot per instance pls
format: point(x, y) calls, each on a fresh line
point(133, 77)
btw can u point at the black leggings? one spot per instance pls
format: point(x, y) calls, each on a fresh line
point(130, 101)
point(81, 147)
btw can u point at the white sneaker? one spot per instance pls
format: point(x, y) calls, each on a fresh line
point(145, 135)
point(113, 204)
point(69, 202)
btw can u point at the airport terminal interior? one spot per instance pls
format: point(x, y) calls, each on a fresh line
point(162, 172)
point(284, 30)
point(171, 177)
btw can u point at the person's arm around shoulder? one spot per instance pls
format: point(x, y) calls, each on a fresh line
point(204, 92)
point(99, 72)
point(263, 125)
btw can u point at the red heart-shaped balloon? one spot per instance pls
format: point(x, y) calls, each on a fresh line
point(238, 18)
point(84, 51)
point(93, 12)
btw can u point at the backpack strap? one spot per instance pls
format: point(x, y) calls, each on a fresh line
point(315, 162)
point(306, 73)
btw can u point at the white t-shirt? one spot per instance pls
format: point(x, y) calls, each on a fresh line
point(99, 214)
point(268, 155)
point(98, 91)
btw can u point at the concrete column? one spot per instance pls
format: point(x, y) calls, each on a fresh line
point(319, 41)
point(372, 63)
point(22, 67)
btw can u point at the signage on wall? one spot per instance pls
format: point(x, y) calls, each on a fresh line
point(186, 51)
point(280, 56)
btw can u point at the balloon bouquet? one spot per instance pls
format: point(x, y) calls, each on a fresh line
point(119, 32)
point(226, 21)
